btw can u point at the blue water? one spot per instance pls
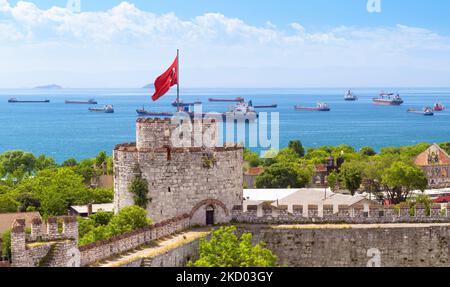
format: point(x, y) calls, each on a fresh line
point(66, 131)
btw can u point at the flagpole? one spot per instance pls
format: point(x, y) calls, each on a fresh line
point(178, 80)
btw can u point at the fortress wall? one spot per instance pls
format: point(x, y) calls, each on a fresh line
point(178, 184)
point(395, 245)
point(158, 133)
point(116, 245)
point(179, 178)
point(345, 214)
point(50, 249)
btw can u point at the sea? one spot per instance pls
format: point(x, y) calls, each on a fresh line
point(66, 131)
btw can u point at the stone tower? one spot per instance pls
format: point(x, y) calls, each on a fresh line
point(204, 182)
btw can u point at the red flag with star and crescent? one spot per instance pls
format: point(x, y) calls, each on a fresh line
point(164, 82)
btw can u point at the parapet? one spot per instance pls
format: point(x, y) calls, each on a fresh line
point(153, 133)
point(69, 229)
point(268, 214)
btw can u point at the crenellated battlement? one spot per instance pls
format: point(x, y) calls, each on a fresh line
point(154, 134)
point(326, 214)
point(30, 250)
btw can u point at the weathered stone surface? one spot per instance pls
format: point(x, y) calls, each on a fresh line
point(355, 215)
point(177, 177)
point(397, 245)
point(51, 249)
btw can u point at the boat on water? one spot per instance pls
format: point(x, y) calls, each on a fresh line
point(183, 104)
point(241, 110)
point(350, 96)
point(427, 111)
point(263, 106)
point(108, 109)
point(388, 99)
point(88, 102)
point(144, 113)
point(237, 100)
point(320, 107)
point(438, 107)
point(14, 100)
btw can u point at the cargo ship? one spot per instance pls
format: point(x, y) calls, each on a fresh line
point(88, 102)
point(14, 100)
point(144, 113)
point(108, 109)
point(320, 107)
point(350, 96)
point(388, 99)
point(236, 100)
point(242, 111)
point(438, 107)
point(427, 111)
point(274, 106)
point(183, 104)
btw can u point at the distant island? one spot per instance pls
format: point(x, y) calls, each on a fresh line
point(149, 86)
point(49, 87)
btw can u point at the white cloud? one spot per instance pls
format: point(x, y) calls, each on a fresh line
point(4, 6)
point(127, 38)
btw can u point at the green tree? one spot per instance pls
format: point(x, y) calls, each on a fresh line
point(351, 177)
point(252, 158)
point(86, 168)
point(128, 219)
point(102, 218)
point(225, 249)
point(16, 164)
point(284, 175)
point(94, 234)
point(101, 158)
point(56, 190)
point(287, 156)
point(139, 188)
point(446, 146)
point(101, 195)
point(400, 179)
point(333, 181)
point(367, 151)
point(103, 225)
point(8, 204)
point(297, 147)
point(71, 162)
point(6, 244)
point(43, 162)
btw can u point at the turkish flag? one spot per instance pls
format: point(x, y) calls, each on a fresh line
point(164, 82)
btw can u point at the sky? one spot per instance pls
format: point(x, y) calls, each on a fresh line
point(225, 43)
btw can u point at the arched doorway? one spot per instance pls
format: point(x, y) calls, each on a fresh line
point(210, 215)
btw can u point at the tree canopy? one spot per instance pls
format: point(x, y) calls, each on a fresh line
point(102, 225)
point(29, 183)
point(225, 249)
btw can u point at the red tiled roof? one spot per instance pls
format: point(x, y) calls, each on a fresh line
point(321, 168)
point(255, 171)
point(7, 219)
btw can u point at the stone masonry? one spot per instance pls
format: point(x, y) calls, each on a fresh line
point(195, 179)
point(50, 249)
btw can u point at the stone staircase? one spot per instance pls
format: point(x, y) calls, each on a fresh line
point(146, 262)
point(46, 261)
